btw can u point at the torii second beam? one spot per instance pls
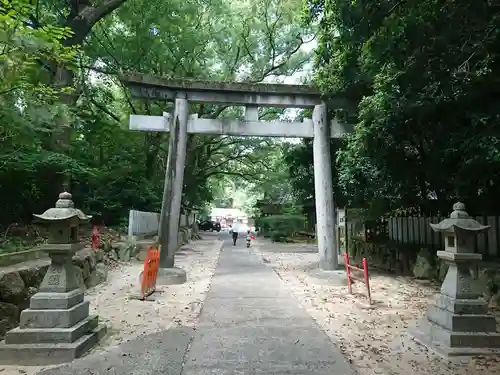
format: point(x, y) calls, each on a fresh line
point(237, 127)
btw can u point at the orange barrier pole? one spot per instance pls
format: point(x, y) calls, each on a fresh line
point(155, 266)
point(145, 274)
point(150, 273)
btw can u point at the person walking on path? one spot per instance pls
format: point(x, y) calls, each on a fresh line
point(235, 236)
point(234, 232)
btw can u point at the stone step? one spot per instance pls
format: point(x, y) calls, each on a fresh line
point(49, 354)
point(51, 335)
point(449, 343)
point(461, 322)
point(50, 301)
point(475, 340)
point(54, 318)
point(461, 306)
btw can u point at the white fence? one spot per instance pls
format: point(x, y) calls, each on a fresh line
point(141, 222)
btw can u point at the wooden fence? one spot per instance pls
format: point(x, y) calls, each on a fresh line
point(416, 230)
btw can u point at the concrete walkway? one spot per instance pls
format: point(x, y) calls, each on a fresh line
point(250, 325)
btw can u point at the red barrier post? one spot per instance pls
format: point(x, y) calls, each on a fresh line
point(96, 237)
point(350, 277)
point(367, 280)
point(348, 272)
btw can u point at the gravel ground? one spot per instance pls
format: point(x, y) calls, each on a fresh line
point(128, 318)
point(373, 338)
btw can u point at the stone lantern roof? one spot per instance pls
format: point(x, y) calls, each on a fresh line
point(459, 219)
point(63, 210)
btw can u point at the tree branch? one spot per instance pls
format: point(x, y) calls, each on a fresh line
point(245, 176)
point(273, 67)
point(93, 15)
point(104, 109)
point(245, 42)
point(218, 111)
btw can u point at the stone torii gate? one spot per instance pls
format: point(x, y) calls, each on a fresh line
point(252, 96)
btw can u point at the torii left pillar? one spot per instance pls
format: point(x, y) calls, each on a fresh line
point(168, 229)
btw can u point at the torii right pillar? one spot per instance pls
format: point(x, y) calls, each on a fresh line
point(323, 191)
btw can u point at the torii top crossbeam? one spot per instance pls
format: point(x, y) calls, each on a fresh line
point(221, 92)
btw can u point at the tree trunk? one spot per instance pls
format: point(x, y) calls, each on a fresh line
point(81, 18)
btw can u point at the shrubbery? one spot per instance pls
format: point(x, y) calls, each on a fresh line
point(279, 227)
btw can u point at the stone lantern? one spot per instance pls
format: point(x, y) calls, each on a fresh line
point(457, 321)
point(56, 328)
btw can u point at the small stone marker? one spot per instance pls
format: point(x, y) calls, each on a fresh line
point(56, 328)
point(457, 321)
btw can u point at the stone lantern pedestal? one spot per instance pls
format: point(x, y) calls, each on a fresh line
point(56, 328)
point(457, 321)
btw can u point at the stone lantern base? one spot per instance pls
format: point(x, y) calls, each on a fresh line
point(457, 321)
point(56, 328)
point(455, 344)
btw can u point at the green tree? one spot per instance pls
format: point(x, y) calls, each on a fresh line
point(424, 76)
point(27, 112)
point(64, 111)
point(193, 41)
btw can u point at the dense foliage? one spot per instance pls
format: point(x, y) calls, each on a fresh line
point(281, 227)
point(424, 77)
point(64, 114)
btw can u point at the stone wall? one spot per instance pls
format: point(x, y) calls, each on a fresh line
point(185, 235)
point(128, 248)
point(19, 282)
point(422, 263)
point(387, 256)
